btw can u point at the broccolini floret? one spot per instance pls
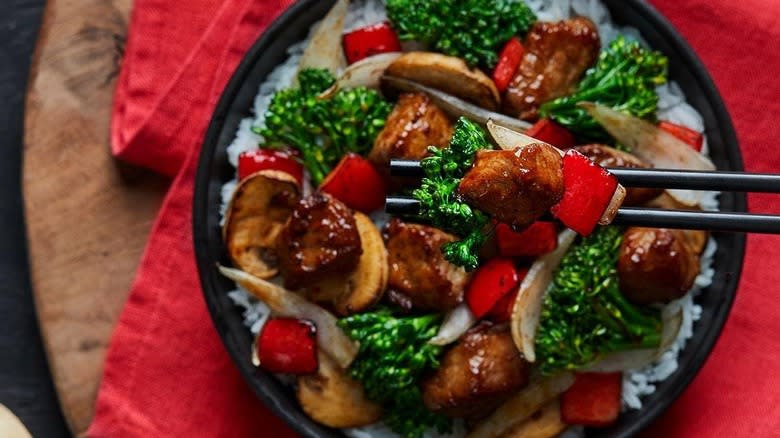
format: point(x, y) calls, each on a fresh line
point(584, 315)
point(474, 30)
point(439, 203)
point(624, 78)
point(394, 353)
point(323, 130)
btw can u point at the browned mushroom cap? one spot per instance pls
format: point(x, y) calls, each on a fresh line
point(332, 398)
point(448, 74)
point(256, 214)
point(360, 289)
point(656, 265)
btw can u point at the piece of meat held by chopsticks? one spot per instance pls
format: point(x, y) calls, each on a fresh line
point(527, 178)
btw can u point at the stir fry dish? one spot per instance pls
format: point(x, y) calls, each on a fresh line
point(507, 306)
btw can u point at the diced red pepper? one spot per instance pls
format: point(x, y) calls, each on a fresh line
point(269, 159)
point(693, 138)
point(491, 282)
point(356, 183)
point(550, 132)
point(588, 189)
point(288, 345)
point(508, 61)
point(593, 400)
point(502, 311)
point(540, 238)
point(370, 40)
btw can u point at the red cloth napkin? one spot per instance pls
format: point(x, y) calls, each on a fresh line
point(167, 374)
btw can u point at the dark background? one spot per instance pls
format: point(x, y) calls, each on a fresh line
point(25, 384)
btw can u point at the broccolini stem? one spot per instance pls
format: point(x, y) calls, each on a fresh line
point(439, 203)
point(584, 315)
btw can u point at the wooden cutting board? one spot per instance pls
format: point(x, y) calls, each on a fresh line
point(87, 216)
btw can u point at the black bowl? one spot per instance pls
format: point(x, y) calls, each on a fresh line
point(269, 51)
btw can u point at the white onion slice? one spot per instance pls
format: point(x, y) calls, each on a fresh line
point(618, 196)
point(509, 139)
point(453, 106)
point(324, 49)
point(652, 144)
point(640, 358)
point(365, 73)
point(528, 305)
point(456, 323)
point(522, 405)
point(330, 338)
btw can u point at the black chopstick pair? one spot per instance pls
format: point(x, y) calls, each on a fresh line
point(654, 217)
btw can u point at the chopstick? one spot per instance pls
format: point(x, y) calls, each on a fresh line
point(649, 217)
point(656, 178)
point(698, 220)
point(653, 217)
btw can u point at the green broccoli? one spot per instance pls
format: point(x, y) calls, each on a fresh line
point(584, 315)
point(439, 203)
point(624, 78)
point(394, 353)
point(323, 130)
point(474, 30)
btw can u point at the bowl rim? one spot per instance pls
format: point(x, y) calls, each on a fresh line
point(206, 263)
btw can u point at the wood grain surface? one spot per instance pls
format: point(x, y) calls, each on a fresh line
point(87, 216)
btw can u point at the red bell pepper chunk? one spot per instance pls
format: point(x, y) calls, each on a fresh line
point(370, 40)
point(288, 345)
point(356, 183)
point(550, 132)
point(502, 311)
point(508, 61)
point(593, 400)
point(540, 238)
point(693, 138)
point(588, 189)
point(492, 281)
point(269, 159)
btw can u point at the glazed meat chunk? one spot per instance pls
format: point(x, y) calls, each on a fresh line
point(657, 265)
point(606, 156)
point(481, 371)
point(420, 277)
point(319, 238)
point(556, 57)
point(515, 187)
point(414, 124)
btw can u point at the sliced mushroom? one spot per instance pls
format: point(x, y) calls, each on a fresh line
point(255, 216)
point(448, 74)
point(544, 423)
point(522, 406)
point(331, 397)
point(362, 288)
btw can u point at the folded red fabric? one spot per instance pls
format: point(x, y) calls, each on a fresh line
point(167, 374)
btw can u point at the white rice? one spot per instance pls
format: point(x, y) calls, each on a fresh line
point(672, 107)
